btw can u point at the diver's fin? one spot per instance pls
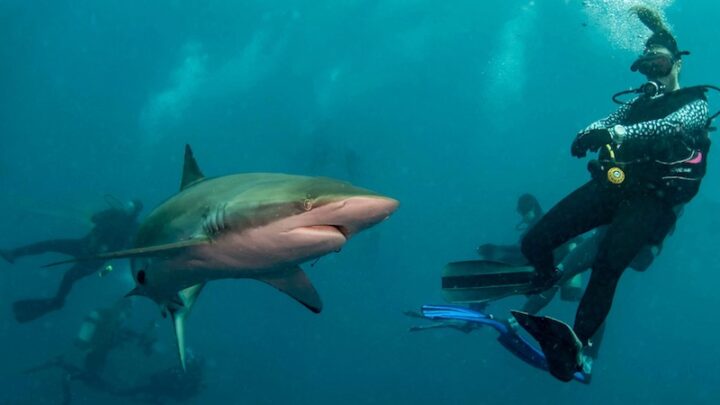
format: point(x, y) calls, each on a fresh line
point(484, 280)
point(179, 314)
point(136, 252)
point(295, 283)
point(29, 310)
point(558, 342)
point(191, 171)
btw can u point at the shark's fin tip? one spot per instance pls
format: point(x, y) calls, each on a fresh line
point(295, 283)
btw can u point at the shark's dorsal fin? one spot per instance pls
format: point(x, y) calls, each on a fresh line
point(136, 252)
point(179, 314)
point(295, 283)
point(191, 171)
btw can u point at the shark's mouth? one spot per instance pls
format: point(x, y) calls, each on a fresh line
point(333, 229)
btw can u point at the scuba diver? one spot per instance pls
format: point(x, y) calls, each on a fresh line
point(652, 158)
point(102, 331)
point(113, 229)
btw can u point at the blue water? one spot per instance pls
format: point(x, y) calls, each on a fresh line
point(454, 108)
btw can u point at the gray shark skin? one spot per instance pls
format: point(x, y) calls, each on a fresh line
point(257, 225)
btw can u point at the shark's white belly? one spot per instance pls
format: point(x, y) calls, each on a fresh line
point(248, 254)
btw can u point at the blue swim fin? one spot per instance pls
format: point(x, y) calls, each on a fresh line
point(508, 336)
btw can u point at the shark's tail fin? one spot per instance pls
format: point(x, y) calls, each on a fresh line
point(29, 310)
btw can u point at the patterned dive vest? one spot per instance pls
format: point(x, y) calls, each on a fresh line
point(673, 166)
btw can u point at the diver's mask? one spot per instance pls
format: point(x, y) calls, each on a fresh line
point(654, 64)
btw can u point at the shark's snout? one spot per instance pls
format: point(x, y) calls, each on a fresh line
point(354, 214)
point(327, 228)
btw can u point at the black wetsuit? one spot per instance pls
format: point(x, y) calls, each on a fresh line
point(114, 229)
point(663, 156)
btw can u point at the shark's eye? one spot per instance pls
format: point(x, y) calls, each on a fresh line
point(308, 202)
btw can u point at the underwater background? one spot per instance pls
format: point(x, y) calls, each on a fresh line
point(453, 107)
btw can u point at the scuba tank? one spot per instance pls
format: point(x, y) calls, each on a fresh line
point(87, 330)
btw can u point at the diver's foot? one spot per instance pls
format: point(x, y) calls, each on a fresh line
point(7, 255)
point(542, 282)
point(29, 310)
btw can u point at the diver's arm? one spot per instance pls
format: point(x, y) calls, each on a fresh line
point(613, 119)
point(683, 123)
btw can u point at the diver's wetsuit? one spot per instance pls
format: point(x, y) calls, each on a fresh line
point(663, 157)
point(113, 230)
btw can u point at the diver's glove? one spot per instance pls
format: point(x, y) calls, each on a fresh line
point(591, 140)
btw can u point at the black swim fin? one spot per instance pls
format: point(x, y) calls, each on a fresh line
point(485, 280)
point(558, 342)
point(29, 310)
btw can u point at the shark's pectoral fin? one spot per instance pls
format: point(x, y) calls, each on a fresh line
point(138, 252)
point(295, 283)
point(179, 310)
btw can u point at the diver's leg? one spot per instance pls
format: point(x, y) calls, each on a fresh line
point(635, 225)
point(582, 257)
point(31, 309)
point(574, 263)
point(71, 247)
point(75, 273)
point(594, 350)
point(584, 209)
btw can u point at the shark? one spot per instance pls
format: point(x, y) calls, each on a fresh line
point(259, 226)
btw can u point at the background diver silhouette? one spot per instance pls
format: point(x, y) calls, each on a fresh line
point(113, 229)
point(106, 330)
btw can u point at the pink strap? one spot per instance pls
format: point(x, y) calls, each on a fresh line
point(697, 159)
